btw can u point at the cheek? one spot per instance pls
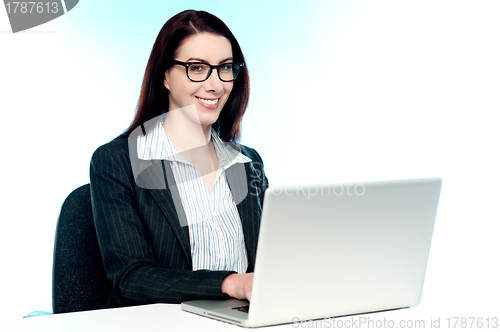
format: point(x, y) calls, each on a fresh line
point(228, 88)
point(182, 91)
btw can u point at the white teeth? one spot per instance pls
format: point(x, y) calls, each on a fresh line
point(208, 101)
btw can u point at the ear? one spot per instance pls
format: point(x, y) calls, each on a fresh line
point(165, 81)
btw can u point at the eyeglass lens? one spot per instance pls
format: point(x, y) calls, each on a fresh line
point(201, 71)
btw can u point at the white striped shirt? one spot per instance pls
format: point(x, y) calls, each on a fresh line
point(215, 231)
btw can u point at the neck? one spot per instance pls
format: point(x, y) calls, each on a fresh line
point(184, 133)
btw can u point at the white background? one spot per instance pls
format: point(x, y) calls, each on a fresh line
point(341, 91)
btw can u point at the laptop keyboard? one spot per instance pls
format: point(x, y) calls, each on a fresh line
point(242, 308)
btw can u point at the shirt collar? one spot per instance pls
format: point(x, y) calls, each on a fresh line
point(155, 145)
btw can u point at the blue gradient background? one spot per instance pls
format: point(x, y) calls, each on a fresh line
point(340, 91)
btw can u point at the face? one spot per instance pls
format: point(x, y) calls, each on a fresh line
point(210, 96)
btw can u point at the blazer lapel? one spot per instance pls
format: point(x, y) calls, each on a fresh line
point(166, 195)
point(239, 178)
point(159, 176)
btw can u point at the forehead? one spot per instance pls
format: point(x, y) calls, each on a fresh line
point(206, 46)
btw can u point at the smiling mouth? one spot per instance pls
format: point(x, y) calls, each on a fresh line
point(208, 101)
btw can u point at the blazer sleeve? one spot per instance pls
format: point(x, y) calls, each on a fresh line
point(128, 258)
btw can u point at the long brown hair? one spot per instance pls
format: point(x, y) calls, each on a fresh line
point(153, 99)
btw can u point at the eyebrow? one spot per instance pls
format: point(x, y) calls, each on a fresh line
point(203, 60)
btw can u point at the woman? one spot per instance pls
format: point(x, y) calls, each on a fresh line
point(176, 202)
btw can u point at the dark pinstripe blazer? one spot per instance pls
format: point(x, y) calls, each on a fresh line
point(146, 253)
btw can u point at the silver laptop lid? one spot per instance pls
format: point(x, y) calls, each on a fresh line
point(331, 250)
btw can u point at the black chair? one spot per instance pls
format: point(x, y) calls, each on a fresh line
point(78, 279)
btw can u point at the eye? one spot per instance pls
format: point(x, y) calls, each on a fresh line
point(198, 68)
point(226, 67)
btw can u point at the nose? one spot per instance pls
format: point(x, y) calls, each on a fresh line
point(213, 82)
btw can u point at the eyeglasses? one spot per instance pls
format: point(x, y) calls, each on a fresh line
point(201, 71)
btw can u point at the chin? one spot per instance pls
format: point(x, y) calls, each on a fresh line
point(208, 122)
point(208, 117)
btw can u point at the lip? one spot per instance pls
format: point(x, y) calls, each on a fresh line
point(209, 106)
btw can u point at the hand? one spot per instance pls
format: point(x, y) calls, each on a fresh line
point(238, 285)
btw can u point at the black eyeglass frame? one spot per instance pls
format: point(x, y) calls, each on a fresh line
point(188, 64)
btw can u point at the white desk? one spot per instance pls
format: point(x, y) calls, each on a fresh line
point(170, 317)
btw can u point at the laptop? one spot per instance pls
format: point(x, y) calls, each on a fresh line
point(336, 249)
